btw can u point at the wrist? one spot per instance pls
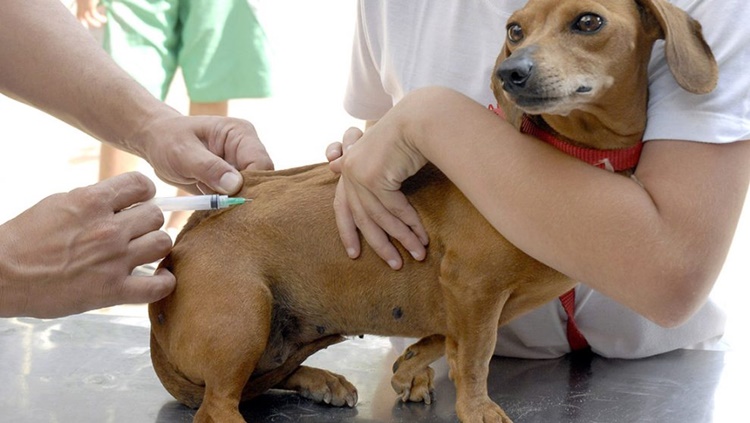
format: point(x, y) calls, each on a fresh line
point(416, 118)
point(144, 135)
point(424, 114)
point(445, 125)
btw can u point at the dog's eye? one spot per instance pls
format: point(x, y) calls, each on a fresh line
point(588, 23)
point(515, 33)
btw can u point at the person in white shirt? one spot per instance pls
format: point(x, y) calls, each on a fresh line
point(647, 256)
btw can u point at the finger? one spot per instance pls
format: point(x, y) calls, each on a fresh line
point(337, 164)
point(140, 220)
point(375, 234)
point(345, 222)
point(334, 151)
point(146, 289)
point(398, 205)
point(351, 136)
point(240, 146)
point(261, 163)
point(149, 248)
point(393, 214)
point(212, 171)
point(124, 190)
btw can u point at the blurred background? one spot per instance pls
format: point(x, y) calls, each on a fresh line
point(310, 56)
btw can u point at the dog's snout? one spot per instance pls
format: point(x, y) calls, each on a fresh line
point(515, 72)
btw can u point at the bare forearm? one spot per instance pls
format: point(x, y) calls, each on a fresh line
point(51, 63)
point(642, 245)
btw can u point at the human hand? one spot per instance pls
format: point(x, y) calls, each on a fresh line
point(368, 194)
point(202, 154)
point(344, 219)
point(76, 251)
point(89, 14)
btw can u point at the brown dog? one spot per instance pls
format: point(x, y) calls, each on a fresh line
point(262, 286)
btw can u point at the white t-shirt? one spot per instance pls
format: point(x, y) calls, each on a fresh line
point(400, 46)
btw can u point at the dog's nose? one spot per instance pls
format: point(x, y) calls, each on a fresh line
point(515, 72)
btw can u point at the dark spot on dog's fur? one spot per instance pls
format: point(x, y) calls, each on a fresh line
point(397, 313)
point(161, 319)
point(321, 329)
point(396, 364)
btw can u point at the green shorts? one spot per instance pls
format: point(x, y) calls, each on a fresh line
point(219, 45)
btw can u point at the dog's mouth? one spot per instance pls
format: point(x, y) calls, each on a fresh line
point(536, 103)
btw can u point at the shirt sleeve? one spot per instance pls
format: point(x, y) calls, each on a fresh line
point(365, 97)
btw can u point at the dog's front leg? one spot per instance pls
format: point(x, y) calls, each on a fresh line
point(412, 375)
point(472, 325)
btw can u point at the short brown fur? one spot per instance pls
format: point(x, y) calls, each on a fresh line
point(263, 286)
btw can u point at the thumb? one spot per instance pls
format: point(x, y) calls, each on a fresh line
point(217, 175)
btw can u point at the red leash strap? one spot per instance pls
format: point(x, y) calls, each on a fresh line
point(576, 340)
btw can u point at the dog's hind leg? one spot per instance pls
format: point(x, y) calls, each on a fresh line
point(321, 386)
point(472, 332)
point(412, 375)
point(315, 384)
point(230, 357)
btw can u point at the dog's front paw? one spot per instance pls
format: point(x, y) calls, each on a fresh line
point(323, 386)
point(414, 386)
point(484, 412)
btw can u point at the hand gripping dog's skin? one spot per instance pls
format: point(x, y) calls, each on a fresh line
point(264, 285)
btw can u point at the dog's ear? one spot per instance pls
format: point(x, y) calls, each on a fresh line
point(688, 55)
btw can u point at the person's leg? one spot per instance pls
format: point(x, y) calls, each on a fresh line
point(223, 54)
point(113, 161)
point(218, 108)
point(140, 36)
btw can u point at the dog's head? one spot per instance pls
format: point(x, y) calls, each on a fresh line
point(561, 56)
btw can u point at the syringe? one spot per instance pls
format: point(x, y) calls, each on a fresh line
point(197, 202)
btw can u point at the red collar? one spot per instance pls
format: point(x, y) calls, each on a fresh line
point(614, 160)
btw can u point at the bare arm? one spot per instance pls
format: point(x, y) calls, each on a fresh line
point(54, 65)
point(50, 62)
point(656, 248)
point(74, 252)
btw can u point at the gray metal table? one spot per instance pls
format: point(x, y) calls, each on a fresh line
point(96, 368)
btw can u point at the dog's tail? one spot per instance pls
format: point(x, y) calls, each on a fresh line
point(180, 387)
point(261, 383)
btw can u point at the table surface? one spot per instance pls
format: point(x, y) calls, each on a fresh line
point(96, 368)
